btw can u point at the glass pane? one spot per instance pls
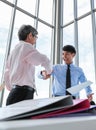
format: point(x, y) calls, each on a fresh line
point(83, 7)
point(95, 4)
point(44, 46)
point(45, 10)
point(86, 60)
point(30, 5)
point(68, 11)
point(68, 35)
point(4, 29)
point(23, 19)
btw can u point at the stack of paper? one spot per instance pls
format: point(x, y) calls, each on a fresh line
point(75, 89)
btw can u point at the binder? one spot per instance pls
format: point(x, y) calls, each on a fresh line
point(31, 107)
point(79, 105)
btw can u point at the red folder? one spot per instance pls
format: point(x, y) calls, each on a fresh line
point(78, 106)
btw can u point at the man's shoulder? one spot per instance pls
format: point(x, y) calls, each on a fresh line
point(58, 66)
point(77, 68)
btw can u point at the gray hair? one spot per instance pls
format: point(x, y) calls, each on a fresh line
point(25, 30)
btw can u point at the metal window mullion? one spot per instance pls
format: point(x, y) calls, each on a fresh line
point(11, 30)
point(36, 13)
point(76, 33)
point(8, 46)
point(78, 18)
point(58, 41)
point(94, 34)
point(57, 35)
point(7, 2)
point(52, 44)
point(53, 33)
point(61, 30)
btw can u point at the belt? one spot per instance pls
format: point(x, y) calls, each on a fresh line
point(24, 87)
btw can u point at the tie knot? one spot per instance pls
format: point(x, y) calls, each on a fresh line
point(68, 66)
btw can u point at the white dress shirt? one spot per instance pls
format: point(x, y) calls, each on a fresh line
point(20, 67)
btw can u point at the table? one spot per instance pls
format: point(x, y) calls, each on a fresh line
point(68, 123)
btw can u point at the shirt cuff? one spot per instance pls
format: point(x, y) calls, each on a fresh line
point(40, 76)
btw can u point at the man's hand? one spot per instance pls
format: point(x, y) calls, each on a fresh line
point(90, 97)
point(44, 74)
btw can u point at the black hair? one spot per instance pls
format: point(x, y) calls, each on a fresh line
point(25, 30)
point(69, 48)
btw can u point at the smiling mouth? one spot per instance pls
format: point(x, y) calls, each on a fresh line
point(65, 59)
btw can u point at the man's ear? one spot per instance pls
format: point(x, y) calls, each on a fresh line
point(73, 54)
point(30, 35)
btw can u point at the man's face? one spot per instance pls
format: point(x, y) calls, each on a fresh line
point(68, 57)
point(31, 39)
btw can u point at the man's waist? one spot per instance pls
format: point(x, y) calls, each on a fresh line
point(23, 87)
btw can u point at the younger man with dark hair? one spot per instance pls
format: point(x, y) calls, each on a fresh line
point(59, 74)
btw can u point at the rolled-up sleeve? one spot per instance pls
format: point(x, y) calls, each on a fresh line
point(83, 79)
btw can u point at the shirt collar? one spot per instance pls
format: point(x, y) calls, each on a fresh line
point(70, 64)
point(26, 43)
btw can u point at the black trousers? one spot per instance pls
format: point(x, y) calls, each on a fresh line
point(19, 93)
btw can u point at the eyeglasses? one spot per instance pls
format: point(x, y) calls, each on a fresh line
point(35, 36)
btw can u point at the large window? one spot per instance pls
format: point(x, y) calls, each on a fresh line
point(85, 42)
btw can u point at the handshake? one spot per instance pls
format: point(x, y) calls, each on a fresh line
point(44, 74)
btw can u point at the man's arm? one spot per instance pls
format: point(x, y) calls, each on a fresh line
point(88, 89)
point(36, 58)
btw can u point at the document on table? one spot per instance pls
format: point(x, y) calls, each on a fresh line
point(75, 89)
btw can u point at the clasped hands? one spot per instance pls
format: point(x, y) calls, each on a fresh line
point(45, 74)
